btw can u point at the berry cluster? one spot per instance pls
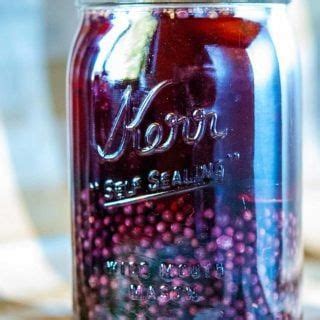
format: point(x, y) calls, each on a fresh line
point(216, 264)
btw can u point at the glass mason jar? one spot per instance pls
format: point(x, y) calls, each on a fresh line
point(185, 153)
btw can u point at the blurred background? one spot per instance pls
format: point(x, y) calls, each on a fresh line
point(35, 251)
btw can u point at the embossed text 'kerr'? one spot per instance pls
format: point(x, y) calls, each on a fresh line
point(193, 128)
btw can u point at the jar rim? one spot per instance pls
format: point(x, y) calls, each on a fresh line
point(162, 2)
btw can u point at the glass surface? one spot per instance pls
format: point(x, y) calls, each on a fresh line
point(185, 164)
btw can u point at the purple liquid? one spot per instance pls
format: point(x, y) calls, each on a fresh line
point(185, 243)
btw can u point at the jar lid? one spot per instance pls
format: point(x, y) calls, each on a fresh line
point(100, 2)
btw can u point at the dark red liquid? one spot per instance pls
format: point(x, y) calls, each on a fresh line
point(220, 247)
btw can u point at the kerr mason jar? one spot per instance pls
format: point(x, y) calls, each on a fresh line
point(185, 156)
